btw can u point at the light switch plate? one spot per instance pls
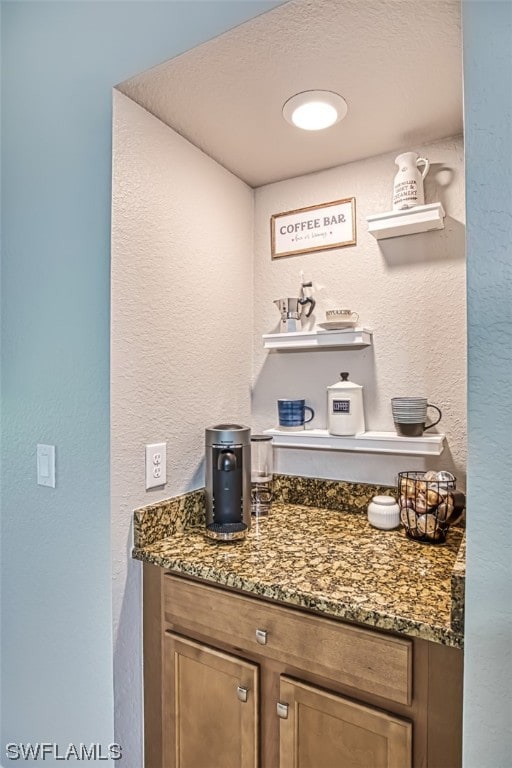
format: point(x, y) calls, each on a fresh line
point(156, 465)
point(46, 465)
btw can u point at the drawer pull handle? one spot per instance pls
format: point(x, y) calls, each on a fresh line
point(261, 636)
point(282, 710)
point(242, 693)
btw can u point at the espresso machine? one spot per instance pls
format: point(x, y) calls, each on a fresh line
point(228, 481)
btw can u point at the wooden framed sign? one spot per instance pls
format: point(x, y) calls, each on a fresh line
point(317, 228)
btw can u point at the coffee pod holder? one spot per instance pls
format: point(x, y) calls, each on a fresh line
point(428, 507)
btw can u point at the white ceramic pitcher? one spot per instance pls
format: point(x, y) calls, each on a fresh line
point(408, 186)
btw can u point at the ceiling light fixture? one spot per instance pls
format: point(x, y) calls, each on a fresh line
point(315, 110)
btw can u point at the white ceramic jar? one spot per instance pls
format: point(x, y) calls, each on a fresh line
point(384, 513)
point(408, 184)
point(345, 414)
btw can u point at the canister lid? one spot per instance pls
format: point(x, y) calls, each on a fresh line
point(344, 383)
point(385, 500)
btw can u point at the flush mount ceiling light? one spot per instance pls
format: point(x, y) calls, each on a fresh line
point(315, 110)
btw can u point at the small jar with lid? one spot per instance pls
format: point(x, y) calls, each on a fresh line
point(384, 513)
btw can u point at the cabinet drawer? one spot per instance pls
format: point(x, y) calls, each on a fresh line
point(364, 659)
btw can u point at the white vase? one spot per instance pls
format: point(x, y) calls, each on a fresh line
point(408, 186)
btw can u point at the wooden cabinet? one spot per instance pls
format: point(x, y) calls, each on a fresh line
point(210, 707)
point(319, 730)
point(319, 693)
point(364, 659)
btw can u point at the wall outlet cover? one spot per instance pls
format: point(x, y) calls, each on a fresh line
point(156, 465)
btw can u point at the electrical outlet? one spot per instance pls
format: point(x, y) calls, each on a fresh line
point(156, 465)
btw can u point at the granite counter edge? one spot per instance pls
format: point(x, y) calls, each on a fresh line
point(333, 609)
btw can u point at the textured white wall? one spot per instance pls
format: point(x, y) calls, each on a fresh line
point(182, 239)
point(409, 290)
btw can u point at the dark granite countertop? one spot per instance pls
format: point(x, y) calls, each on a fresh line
point(329, 561)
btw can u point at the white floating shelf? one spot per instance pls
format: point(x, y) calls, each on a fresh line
point(421, 218)
point(351, 338)
point(365, 442)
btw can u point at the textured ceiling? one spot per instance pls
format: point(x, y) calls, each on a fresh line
point(398, 64)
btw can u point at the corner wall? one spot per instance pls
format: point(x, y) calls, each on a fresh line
point(409, 290)
point(182, 238)
point(59, 63)
point(487, 30)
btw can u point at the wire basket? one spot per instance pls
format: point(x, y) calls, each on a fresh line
point(428, 507)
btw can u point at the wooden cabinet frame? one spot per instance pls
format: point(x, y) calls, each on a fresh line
point(194, 724)
point(435, 709)
point(319, 725)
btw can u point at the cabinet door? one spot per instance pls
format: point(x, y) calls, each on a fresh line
point(210, 707)
point(323, 730)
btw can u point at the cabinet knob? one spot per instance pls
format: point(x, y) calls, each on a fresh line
point(242, 693)
point(282, 710)
point(261, 636)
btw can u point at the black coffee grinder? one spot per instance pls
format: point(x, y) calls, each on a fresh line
point(228, 481)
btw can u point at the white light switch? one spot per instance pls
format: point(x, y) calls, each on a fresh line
point(156, 465)
point(46, 465)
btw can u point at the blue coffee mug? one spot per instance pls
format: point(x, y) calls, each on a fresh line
point(292, 413)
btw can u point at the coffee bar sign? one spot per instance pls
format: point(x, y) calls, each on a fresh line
point(317, 228)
